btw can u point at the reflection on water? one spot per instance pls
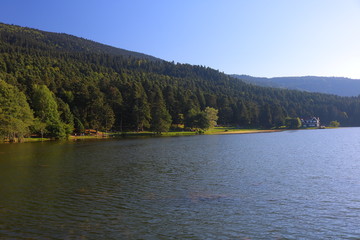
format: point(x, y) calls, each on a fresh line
point(302, 184)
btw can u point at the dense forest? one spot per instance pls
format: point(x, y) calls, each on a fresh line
point(55, 84)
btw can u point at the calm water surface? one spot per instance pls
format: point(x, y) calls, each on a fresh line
point(286, 185)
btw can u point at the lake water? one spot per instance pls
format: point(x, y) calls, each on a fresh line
point(284, 185)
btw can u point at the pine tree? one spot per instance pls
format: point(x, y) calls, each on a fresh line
point(161, 119)
point(141, 109)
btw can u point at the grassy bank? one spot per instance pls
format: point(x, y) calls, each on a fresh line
point(25, 140)
point(152, 134)
point(213, 131)
point(36, 139)
point(224, 130)
point(216, 130)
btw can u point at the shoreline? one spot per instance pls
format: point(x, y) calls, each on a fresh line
point(177, 134)
point(245, 131)
point(215, 131)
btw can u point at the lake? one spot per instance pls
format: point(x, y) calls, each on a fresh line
point(282, 185)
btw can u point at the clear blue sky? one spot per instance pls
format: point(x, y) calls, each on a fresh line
point(264, 38)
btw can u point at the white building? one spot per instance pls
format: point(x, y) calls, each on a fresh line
point(311, 122)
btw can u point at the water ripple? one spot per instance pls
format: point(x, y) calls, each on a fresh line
point(202, 187)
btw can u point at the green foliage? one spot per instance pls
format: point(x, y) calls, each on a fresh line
point(39, 127)
point(44, 104)
point(66, 116)
point(140, 108)
point(212, 116)
point(202, 121)
point(56, 130)
point(108, 119)
point(161, 119)
point(79, 127)
point(75, 83)
point(266, 118)
point(242, 115)
point(334, 124)
point(197, 120)
point(46, 110)
point(15, 114)
point(293, 123)
point(99, 115)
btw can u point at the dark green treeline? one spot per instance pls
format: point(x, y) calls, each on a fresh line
point(100, 87)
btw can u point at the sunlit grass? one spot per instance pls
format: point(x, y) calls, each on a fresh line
point(215, 130)
point(36, 139)
point(219, 130)
point(148, 133)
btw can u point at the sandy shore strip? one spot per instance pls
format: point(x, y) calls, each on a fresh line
point(246, 131)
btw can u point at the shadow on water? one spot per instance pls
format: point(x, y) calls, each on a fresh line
point(290, 185)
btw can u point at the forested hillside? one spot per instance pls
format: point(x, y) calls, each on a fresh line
point(330, 85)
point(69, 82)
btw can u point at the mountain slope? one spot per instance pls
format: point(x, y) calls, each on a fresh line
point(61, 42)
point(329, 85)
point(104, 88)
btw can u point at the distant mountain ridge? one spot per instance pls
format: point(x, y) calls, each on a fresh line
point(330, 85)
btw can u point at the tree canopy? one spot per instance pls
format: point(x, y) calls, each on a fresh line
point(46, 110)
point(15, 114)
point(73, 84)
point(334, 124)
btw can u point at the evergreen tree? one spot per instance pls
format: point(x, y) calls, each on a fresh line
point(265, 116)
point(242, 114)
point(66, 116)
point(115, 101)
point(161, 119)
point(100, 115)
point(278, 115)
point(141, 109)
point(226, 114)
point(78, 125)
